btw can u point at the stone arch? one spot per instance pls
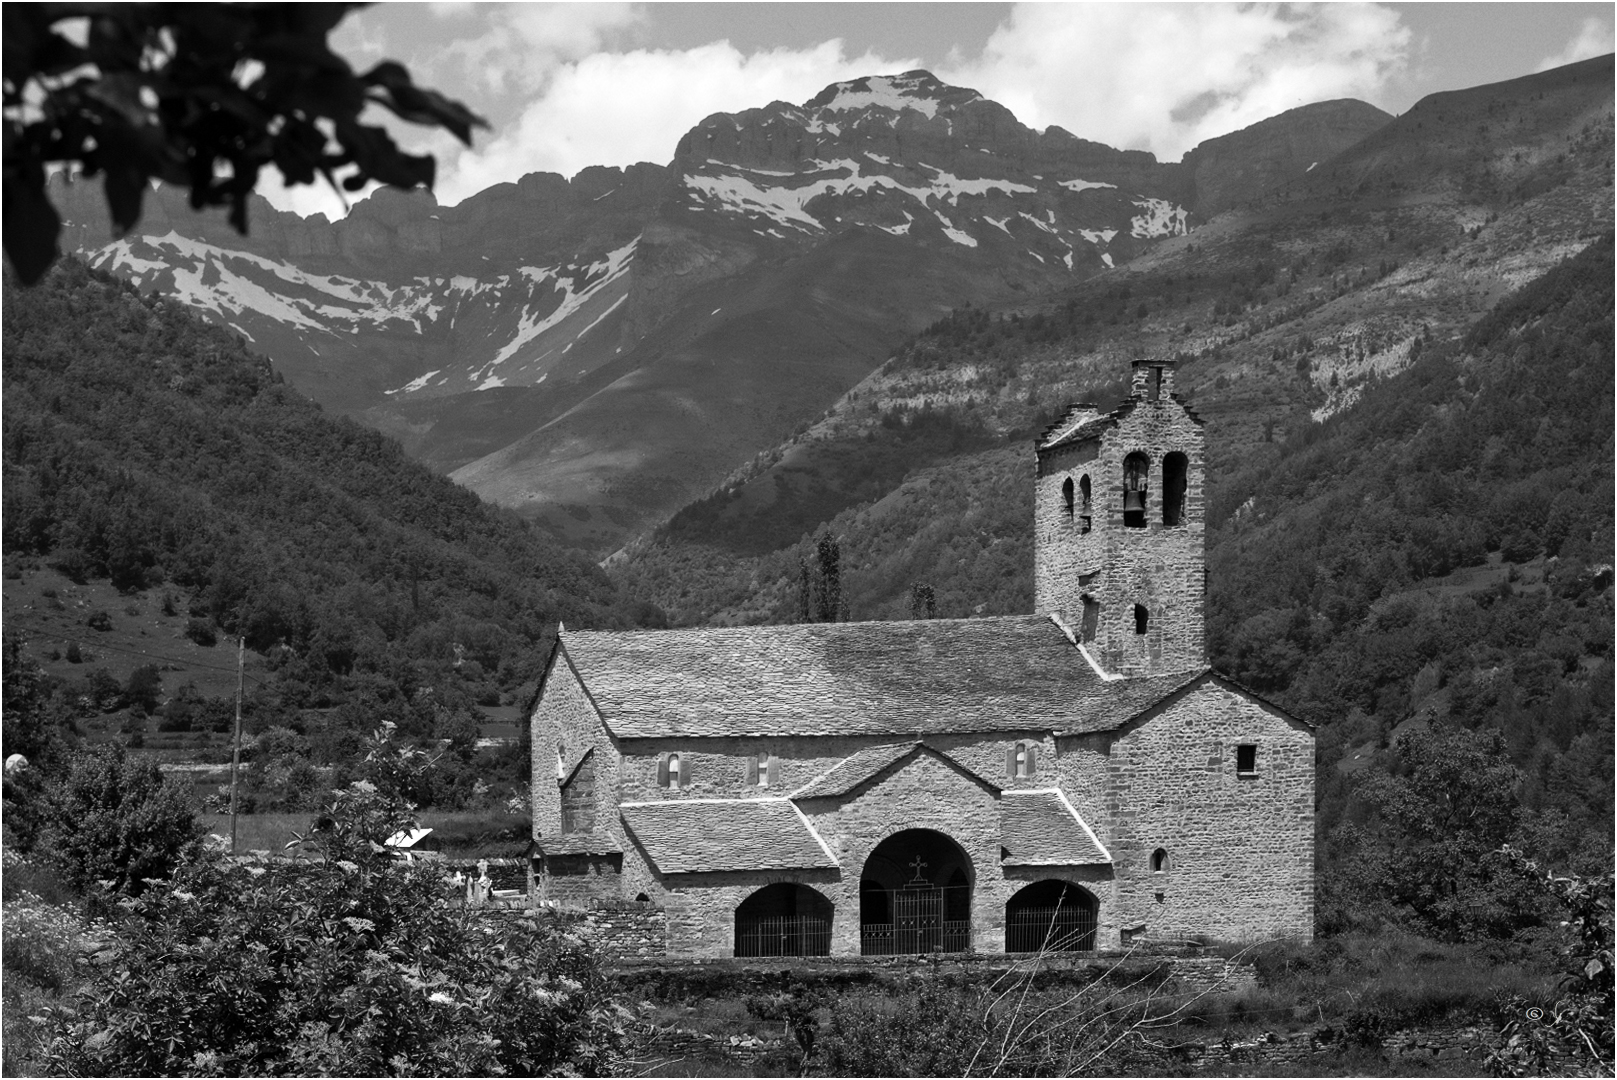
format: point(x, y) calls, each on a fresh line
point(784, 919)
point(1051, 916)
point(915, 895)
point(1066, 497)
point(1086, 511)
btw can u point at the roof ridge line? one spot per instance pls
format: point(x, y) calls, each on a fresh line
point(1102, 672)
point(1062, 795)
point(688, 802)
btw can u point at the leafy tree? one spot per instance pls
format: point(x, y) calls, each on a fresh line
point(1452, 802)
point(145, 688)
point(351, 963)
point(820, 596)
point(199, 95)
point(114, 818)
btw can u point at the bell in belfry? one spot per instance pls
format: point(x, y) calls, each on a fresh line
point(1133, 502)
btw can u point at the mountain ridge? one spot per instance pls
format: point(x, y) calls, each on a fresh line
point(616, 303)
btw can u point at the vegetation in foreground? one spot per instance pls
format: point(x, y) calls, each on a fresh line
point(130, 948)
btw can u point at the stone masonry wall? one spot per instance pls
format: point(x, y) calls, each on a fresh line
point(628, 930)
point(565, 725)
point(718, 767)
point(1240, 847)
point(1159, 567)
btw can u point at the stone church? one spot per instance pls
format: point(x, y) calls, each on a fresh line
point(1073, 779)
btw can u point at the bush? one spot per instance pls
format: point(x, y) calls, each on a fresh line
point(40, 941)
point(202, 632)
point(115, 819)
point(351, 964)
point(144, 688)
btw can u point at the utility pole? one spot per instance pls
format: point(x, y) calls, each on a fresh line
point(235, 752)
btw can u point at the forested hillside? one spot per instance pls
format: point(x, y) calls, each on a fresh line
point(150, 450)
point(1442, 551)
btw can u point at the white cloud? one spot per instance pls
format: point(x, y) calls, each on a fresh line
point(1594, 38)
point(620, 108)
point(1163, 77)
point(1157, 77)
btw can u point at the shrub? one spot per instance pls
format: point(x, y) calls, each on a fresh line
point(202, 632)
point(144, 688)
point(350, 964)
point(116, 819)
point(39, 943)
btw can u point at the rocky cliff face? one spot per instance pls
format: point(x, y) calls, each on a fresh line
point(595, 352)
point(1238, 167)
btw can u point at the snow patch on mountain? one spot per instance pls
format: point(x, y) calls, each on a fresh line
point(959, 236)
point(788, 205)
point(895, 92)
point(1161, 218)
point(1085, 185)
point(597, 276)
point(414, 384)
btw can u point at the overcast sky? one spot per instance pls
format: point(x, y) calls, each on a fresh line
point(566, 86)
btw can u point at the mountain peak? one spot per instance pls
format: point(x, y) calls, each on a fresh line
point(918, 90)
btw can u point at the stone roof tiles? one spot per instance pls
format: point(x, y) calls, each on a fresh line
point(1015, 673)
point(1040, 828)
point(854, 770)
point(580, 844)
point(1110, 704)
point(872, 761)
point(687, 836)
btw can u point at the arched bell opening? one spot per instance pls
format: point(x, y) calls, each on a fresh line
point(784, 920)
point(915, 896)
point(1175, 468)
point(1051, 916)
point(1136, 474)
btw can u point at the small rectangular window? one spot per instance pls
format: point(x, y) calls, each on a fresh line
point(1246, 758)
point(673, 771)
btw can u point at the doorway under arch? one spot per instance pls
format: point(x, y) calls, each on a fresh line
point(915, 896)
point(784, 920)
point(1051, 916)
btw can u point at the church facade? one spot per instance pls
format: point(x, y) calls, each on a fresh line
point(1073, 779)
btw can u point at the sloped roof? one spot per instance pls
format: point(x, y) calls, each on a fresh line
point(1080, 421)
point(1040, 828)
point(1108, 705)
point(1016, 673)
point(687, 836)
point(407, 838)
point(584, 843)
point(854, 770)
point(866, 764)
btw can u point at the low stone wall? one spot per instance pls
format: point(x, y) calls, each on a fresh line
point(1465, 1044)
point(627, 929)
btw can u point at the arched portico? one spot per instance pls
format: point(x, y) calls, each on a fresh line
point(1051, 916)
point(915, 896)
point(784, 919)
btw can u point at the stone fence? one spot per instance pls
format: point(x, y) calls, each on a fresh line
point(1459, 1045)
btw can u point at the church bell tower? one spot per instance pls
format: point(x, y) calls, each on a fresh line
point(1119, 535)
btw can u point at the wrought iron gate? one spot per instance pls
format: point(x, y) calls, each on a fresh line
point(919, 924)
point(1069, 926)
